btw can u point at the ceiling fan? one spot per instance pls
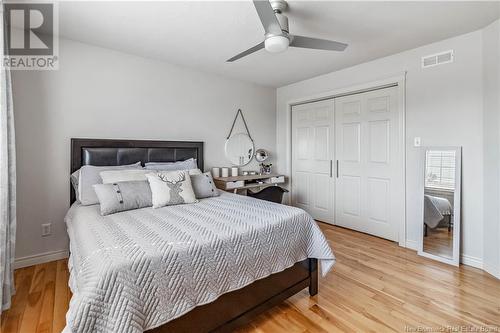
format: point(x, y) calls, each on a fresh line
point(277, 39)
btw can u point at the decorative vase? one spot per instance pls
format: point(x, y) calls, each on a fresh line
point(265, 169)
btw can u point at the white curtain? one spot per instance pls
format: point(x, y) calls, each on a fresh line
point(7, 182)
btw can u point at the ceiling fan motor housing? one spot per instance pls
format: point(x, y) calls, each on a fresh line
point(278, 43)
point(283, 20)
point(279, 5)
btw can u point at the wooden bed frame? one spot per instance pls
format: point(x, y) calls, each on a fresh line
point(234, 308)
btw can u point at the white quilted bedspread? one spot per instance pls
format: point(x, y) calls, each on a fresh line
point(137, 270)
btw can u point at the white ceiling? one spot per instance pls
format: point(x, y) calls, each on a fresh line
point(202, 35)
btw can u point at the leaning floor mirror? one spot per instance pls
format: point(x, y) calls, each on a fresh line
point(440, 193)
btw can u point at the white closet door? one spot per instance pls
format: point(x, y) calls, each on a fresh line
point(369, 195)
point(312, 155)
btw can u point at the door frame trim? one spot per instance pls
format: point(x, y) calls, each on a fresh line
point(395, 80)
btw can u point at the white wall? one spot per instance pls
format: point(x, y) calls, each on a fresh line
point(491, 86)
point(444, 107)
point(99, 93)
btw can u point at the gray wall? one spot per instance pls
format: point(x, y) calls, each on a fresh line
point(444, 106)
point(491, 175)
point(99, 93)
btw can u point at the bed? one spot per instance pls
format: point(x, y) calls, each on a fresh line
point(208, 266)
point(435, 210)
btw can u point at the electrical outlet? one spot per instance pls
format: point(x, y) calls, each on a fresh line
point(416, 141)
point(46, 229)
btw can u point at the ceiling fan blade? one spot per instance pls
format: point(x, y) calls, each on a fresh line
point(316, 43)
point(247, 52)
point(267, 17)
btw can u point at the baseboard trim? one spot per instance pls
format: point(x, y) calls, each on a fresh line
point(412, 245)
point(471, 261)
point(40, 258)
point(464, 259)
point(495, 271)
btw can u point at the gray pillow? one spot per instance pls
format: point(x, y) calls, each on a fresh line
point(172, 166)
point(203, 186)
point(90, 175)
point(74, 181)
point(122, 196)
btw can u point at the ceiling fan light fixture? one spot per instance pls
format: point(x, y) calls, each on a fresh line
point(276, 33)
point(276, 44)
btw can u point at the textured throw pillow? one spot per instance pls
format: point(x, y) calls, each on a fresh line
point(89, 176)
point(203, 186)
point(122, 196)
point(171, 188)
point(172, 166)
point(127, 175)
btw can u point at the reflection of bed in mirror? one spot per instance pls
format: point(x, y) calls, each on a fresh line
point(441, 204)
point(438, 223)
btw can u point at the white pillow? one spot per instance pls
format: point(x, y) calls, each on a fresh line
point(171, 188)
point(89, 176)
point(115, 176)
point(129, 175)
point(171, 166)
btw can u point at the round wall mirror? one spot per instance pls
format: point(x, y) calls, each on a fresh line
point(261, 155)
point(239, 149)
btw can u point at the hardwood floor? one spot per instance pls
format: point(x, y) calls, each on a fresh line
point(439, 241)
point(41, 300)
point(376, 286)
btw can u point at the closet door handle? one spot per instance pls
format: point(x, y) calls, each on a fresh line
point(337, 168)
point(331, 168)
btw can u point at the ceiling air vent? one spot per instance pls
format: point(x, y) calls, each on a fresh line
point(437, 59)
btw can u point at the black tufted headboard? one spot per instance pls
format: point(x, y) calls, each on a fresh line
point(102, 152)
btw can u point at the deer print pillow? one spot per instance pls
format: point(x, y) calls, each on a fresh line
point(171, 188)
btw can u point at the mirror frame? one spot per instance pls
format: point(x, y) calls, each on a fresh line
point(253, 149)
point(457, 204)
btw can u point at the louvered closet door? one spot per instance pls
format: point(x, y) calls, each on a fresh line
point(312, 154)
point(368, 188)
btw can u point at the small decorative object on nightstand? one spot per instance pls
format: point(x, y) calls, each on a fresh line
point(215, 172)
point(265, 169)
